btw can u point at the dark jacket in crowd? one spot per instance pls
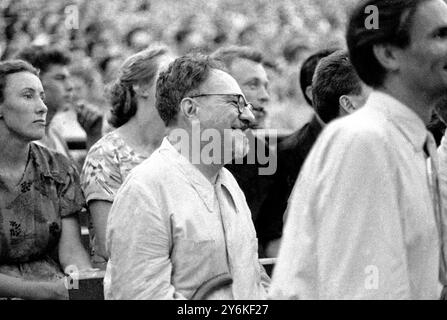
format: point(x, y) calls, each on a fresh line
point(292, 152)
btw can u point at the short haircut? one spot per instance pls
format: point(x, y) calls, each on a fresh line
point(335, 76)
point(140, 68)
point(308, 69)
point(13, 66)
point(228, 54)
point(181, 78)
point(43, 58)
point(395, 21)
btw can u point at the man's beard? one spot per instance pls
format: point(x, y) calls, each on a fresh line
point(240, 145)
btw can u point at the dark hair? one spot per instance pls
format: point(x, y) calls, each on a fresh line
point(335, 76)
point(183, 76)
point(441, 109)
point(308, 69)
point(228, 54)
point(44, 57)
point(395, 20)
point(437, 125)
point(13, 66)
point(139, 68)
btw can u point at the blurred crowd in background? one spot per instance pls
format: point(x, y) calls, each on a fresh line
point(100, 34)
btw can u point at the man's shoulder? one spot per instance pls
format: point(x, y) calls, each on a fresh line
point(158, 167)
point(363, 124)
point(353, 135)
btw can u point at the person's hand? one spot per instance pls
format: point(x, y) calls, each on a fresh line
point(90, 118)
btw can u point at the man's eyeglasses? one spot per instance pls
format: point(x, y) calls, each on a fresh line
point(242, 104)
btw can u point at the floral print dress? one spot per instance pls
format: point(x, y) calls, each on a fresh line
point(31, 214)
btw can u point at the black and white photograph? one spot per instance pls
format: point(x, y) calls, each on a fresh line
point(240, 151)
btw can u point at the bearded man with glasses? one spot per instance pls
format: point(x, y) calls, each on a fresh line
point(180, 226)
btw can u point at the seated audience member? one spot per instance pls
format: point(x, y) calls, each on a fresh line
point(180, 226)
point(246, 65)
point(87, 104)
point(40, 196)
point(139, 132)
point(53, 64)
point(336, 91)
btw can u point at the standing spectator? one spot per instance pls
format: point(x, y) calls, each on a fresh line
point(337, 91)
point(364, 218)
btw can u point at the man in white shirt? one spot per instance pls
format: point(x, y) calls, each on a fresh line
point(363, 219)
point(180, 225)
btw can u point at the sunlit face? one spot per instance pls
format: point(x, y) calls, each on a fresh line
point(58, 89)
point(23, 111)
point(423, 64)
point(253, 80)
point(220, 112)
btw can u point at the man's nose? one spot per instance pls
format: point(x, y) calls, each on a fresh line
point(69, 86)
point(247, 116)
point(264, 95)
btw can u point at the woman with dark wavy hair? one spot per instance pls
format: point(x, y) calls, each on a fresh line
point(139, 132)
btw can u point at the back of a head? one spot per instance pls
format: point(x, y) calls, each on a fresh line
point(140, 68)
point(181, 78)
point(308, 69)
point(228, 54)
point(334, 76)
point(42, 58)
point(393, 23)
point(10, 67)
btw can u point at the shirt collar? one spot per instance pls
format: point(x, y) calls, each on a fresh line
point(406, 120)
point(199, 182)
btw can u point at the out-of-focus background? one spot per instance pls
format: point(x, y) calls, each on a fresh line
point(101, 33)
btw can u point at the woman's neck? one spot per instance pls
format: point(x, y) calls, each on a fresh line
point(145, 135)
point(14, 152)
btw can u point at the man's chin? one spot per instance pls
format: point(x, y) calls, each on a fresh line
point(240, 146)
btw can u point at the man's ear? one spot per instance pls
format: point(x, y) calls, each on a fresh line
point(346, 104)
point(141, 90)
point(387, 56)
point(308, 92)
point(189, 108)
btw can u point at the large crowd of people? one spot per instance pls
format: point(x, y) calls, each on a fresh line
point(186, 183)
